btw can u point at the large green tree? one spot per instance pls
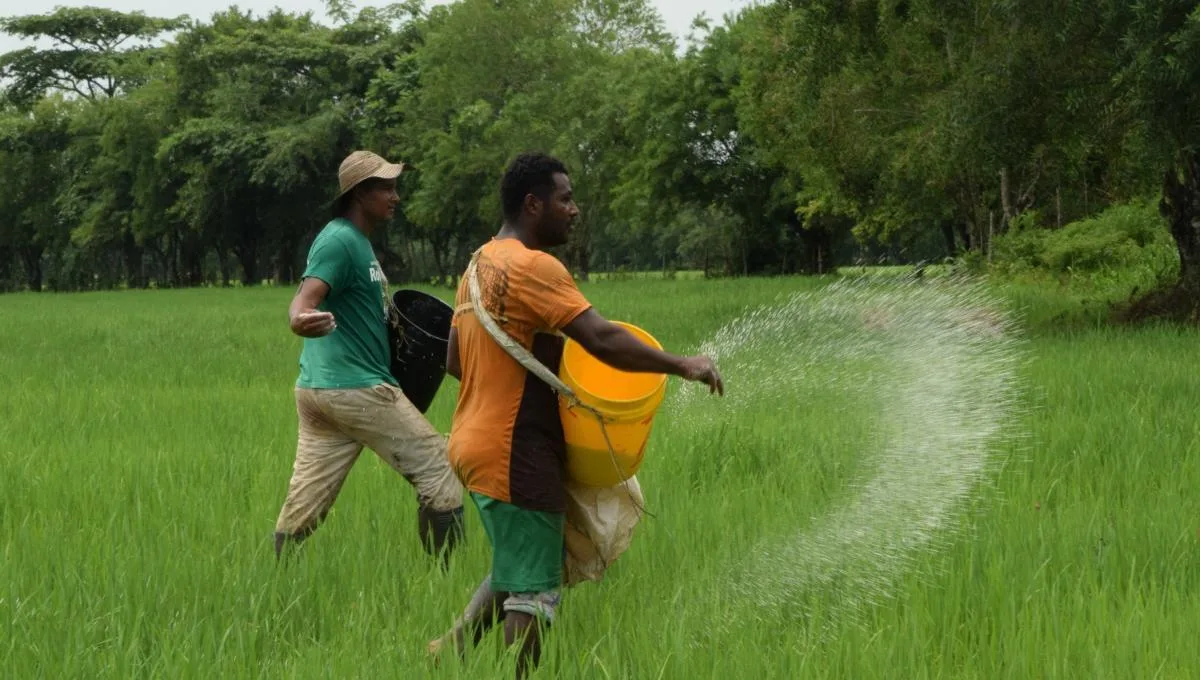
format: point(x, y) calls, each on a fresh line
point(1158, 42)
point(914, 118)
point(270, 107)
point(94, 52)
point(33, 164)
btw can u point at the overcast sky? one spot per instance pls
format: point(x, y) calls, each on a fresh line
point(677, 14)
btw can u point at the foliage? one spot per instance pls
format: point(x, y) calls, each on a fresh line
point(794, 137)
point(1124, 236)
point(88, 55)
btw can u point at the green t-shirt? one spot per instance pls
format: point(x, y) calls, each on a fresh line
point(356, 353)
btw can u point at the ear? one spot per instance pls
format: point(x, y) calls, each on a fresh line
point(533, 204)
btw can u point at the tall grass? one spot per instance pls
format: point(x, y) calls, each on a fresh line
point(146, 440)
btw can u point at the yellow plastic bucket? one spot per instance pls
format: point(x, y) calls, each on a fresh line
point(626, 401)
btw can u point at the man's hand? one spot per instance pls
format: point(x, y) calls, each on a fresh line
point(303, 316)
point(313, 324)
point(702, 369)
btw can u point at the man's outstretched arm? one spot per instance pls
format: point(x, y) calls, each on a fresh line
point(620, 349)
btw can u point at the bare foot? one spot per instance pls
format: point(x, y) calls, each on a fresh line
point(434, 649)
point(436, 646)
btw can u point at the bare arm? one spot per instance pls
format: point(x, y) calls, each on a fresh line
point(303, 316)
point(453, 366)
point(620, 349)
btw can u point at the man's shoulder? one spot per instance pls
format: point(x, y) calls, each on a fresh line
point(345, 240)
point(332, 232)
point(541, 258)
point(509, 256)
point(546, 269)
point(522, 266)
point(539, 263)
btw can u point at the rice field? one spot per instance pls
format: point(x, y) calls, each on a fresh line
point(146, 439)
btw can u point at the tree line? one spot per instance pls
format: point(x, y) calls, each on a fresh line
point(793, 137)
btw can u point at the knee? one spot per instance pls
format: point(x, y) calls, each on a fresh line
point(540, 606)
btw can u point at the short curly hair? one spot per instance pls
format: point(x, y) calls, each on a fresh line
point(529, 173)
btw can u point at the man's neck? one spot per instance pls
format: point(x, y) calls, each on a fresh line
point(520, 233)
point(360, 222)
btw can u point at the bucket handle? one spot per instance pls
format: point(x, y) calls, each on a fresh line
point(417, 326)
point(395, 315)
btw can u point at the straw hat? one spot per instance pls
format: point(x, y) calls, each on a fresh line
point(363, 165)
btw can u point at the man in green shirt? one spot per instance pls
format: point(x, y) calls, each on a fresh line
point(346, 396)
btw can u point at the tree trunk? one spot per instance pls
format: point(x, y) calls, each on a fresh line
point(135, 271)
point(31, 258)
point(223, 263)
point(439, 249)
point(6, 259)
point(461, 257)
point(990, 234)
point(818, 242)
point(577, 248)
point(964, 231)
point(413, 274)
point(247, 255)
point(1181, 206)
point(583, 253)
point(825, 260)
point(1005, 203)
point(161, 267)
point(171, 265)
point(948, 237)
point(190, 271)
point(250, 232)
point(1058, 208)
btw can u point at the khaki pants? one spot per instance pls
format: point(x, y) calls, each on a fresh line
point(335, 426)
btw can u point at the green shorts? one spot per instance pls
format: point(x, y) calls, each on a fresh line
point(527, 545)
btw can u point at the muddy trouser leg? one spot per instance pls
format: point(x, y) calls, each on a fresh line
point(383, 419)
point(324, 456)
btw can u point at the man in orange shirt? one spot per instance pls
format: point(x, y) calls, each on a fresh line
point(506, 443)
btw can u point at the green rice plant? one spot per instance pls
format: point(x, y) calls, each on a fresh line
point(146, 440)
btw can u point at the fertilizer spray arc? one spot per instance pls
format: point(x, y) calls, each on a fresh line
point(940, 394)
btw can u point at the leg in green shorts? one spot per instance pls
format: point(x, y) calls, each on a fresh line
point(523, 586)
point(527, 559)
point(527, 548)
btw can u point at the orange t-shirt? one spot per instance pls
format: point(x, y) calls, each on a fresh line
point(506, 441)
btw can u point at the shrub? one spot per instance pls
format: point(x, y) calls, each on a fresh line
point(1126, 236)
